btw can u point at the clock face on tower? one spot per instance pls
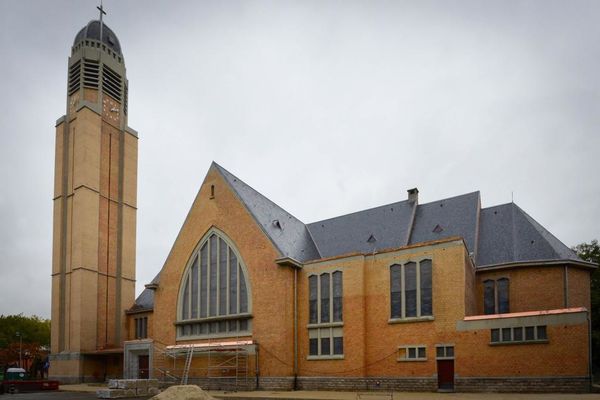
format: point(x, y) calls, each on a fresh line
point(73, 102)
point(111, 110)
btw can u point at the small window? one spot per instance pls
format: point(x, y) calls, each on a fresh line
point(444, 352)
point(495, 335)
point(529, 333)
point(412, 353)
point(519, 334)
point(141, 327)
point(506, 334)
point(541, 333)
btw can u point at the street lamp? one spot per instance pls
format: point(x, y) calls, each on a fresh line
point(20, 349)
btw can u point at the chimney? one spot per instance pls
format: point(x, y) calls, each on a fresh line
point(413, 195)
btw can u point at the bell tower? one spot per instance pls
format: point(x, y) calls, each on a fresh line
point(95, 200)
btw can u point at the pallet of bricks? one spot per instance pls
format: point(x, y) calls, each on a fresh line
point(123, 388)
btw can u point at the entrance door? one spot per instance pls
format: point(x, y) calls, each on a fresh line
point(445, 369)
point(143, 367)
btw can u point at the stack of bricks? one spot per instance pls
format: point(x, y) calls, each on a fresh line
point(124, 388)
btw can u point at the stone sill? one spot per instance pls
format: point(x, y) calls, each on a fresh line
point(320, 358)
point(542, 341)
point(410, 320)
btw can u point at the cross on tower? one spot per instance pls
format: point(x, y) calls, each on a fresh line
point(102, 12)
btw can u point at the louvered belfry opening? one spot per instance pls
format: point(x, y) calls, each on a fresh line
point(96, 66)
point(112, 83)
point(74, 77)
point(91, 73)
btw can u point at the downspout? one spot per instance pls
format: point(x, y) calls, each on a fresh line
point(566, 286)
point(256, 347)
point(590, 365)
point(295, 328)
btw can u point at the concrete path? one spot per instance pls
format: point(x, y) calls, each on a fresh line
point(87, 391)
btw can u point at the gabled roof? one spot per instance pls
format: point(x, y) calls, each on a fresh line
point(455, 216)
point(364, 231)
point(496, 235)
point(508, 234)
point(289, 235)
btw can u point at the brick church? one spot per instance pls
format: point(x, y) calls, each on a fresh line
point(446, 295)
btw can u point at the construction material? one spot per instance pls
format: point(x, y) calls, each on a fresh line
point(183, 392)
point(127, 388)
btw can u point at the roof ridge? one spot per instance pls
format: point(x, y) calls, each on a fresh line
point(358, 212)
point(226, 172)
point(546, 234)
point(477, 192)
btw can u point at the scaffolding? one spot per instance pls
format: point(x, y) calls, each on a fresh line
point(224, 365)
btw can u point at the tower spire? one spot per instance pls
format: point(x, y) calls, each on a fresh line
point(102, 12)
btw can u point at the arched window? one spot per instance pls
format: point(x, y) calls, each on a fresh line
point(214, 293)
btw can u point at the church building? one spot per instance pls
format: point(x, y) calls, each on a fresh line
point(446, 295)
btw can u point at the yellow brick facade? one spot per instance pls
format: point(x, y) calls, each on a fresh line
point(371, 340)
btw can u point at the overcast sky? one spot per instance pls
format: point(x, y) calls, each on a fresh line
point(324, 107)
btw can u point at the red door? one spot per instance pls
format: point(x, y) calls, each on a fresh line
point(143, 364)
point(445, 370)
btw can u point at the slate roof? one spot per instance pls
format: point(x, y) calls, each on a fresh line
point(387, 226)
point(508, 234)
point(289, 235)
point(455, 216)
point(92, 31)
point(495, 235)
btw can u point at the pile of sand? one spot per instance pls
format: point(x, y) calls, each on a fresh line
point(183, 392)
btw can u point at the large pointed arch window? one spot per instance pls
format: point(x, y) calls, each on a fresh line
point(214, 298)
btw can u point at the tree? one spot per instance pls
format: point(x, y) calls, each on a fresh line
point(33, 330)
point(591, 252)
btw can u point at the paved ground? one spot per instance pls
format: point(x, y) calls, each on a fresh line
point(89, 393)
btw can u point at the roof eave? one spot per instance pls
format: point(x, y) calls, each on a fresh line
point(288, 262)
point(534, 263)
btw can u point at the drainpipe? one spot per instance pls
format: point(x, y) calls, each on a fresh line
point(295, 328)
point(590, 366)
point(566, 286)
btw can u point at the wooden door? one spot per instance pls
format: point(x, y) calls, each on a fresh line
point(445, 369)
point(143, 367)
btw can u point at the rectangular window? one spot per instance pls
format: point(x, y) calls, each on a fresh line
point(489, 297)
point(425, 275)
point(325, 314)
point(410, 287)
point(496, 296)
point(411, 294)
point(396, 289)
point(444, 352)
point(529, 333)
point(337, 296)
point(325, 306)
point(502, 286)
point(506, 334)
point(495, 335)
point(519, 334)
point(312, 299)
point(541, 333)
point(412, 353)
